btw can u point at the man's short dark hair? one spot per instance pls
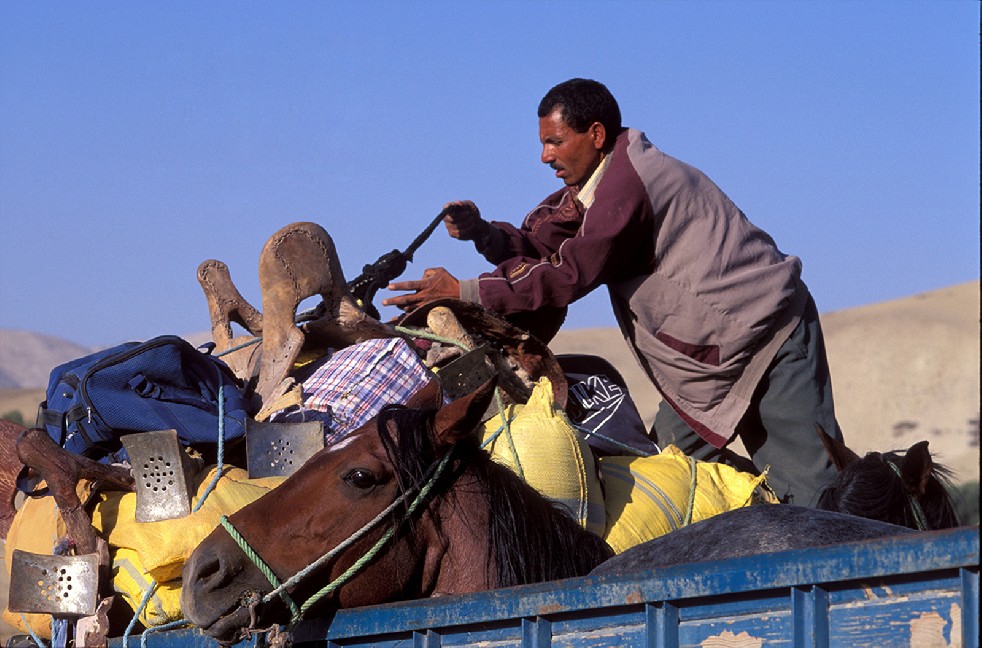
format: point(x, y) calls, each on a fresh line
point(583, 102)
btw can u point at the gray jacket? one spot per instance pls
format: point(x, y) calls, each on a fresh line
point(703, 297)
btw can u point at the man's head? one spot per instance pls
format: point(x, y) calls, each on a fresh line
point(578, 122)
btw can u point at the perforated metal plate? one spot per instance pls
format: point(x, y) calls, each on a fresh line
point(62, 586)
point(279, 449)
point(161, 475)
point(473, 369)
point(467, 373)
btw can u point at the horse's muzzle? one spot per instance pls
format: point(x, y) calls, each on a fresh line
point(216, 579)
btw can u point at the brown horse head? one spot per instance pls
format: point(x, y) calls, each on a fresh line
point(905, 488)
point(448, 545)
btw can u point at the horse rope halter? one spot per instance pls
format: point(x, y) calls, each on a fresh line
point(424, 487)
point(915, 506)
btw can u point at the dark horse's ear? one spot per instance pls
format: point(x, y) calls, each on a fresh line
point(429, 396)
point(917, 468)
point(840, 455)
point(459, 419)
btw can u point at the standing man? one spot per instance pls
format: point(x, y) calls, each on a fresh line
point(715, 313)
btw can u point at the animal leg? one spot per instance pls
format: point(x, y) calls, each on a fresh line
point(62, 470)
point(225, 306)
point(300, 261)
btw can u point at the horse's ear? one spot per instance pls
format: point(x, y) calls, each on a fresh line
point(429, 396)
point(840, 455)
point(917, 469)
point(459, 418)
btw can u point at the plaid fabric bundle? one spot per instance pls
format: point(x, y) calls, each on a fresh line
point(350, 386)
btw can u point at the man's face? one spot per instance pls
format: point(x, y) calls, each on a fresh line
point(573, 155)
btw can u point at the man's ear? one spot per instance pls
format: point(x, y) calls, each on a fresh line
point(599, 135)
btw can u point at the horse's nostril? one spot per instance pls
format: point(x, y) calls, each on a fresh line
point(209, 569)
point(204, 570)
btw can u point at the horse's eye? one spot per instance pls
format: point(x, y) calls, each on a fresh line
point(361, 478)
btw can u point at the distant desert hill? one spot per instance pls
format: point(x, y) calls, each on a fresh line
point(902, 371)
point(26, 358)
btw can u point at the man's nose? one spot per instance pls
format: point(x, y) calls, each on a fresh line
point(548, 156)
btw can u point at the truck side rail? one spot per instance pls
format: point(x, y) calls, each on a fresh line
point(918, 589)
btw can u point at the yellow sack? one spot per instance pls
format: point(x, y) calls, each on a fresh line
point(130, 579)
point(647, 497)
point(143, 553)
point(164, 546)
point(541, 446)
point(152, 554)
point(36, 528)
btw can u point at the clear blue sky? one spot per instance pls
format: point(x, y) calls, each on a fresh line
point(138, 139)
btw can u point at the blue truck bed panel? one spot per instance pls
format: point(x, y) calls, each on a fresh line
point(920, 589)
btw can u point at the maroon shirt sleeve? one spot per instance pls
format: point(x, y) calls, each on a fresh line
point(573, 256)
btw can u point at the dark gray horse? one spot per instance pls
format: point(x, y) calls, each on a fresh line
point(747, 531)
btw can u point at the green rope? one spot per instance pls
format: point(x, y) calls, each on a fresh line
point(692, 492)
point(379, 545)
point(631, 450)
point(255, 340)
point(919, 518)
point(258, 562)
point(280, 588)
point(508, 435)
point(427, 335)
point(437, 470)
point(492, 437)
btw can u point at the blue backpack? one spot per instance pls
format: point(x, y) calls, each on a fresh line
point(161, 384)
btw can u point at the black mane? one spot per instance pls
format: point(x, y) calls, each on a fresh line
point(532, 539)
point(871, 488)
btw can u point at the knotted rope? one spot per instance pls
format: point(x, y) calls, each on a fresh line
point(427, 483)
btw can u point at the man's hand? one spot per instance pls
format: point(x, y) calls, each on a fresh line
point(464, 221)
point(436, 283)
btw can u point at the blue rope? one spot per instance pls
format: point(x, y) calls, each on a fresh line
point(38, 640)
point(167, 626)
point(221, 443)
point(211, 486)
point(143, 604)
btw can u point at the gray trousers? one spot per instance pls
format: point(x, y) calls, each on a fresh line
point(778, 429)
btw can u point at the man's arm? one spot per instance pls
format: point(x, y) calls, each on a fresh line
point(495, 241)
point(613, 241)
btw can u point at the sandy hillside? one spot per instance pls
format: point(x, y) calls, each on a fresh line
point(902, 371)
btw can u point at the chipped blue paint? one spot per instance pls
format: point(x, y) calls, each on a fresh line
point(871, 592)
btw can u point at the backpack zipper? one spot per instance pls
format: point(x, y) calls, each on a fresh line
point(122, 356)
